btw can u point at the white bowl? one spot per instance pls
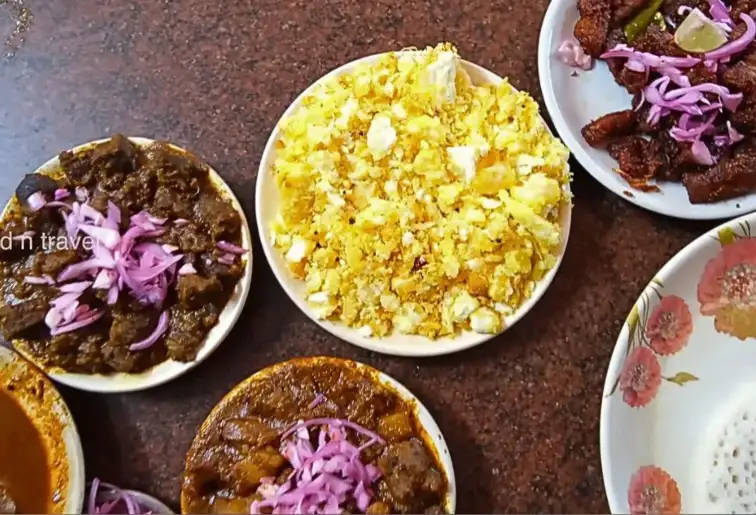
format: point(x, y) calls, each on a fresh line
point(170, 369)
point(156, 506)
point(690, 420)
point(266, 209)
point(152, 504)
point(574, 101)
point(434, 436)
point(48, 412)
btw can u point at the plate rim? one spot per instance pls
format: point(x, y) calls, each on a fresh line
point(429, 348)
point(126, 383)
point(711, 211)
point(431, 427)
point(616, 361)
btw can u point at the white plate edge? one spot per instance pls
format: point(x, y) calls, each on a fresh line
point(617, 359)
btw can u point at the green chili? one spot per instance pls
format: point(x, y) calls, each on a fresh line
point(642, 20)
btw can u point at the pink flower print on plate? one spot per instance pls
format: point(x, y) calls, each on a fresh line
point(640, 377)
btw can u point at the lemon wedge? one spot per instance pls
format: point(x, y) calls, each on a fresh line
point(698, 33)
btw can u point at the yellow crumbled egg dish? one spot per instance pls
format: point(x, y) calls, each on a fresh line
point(413, 201)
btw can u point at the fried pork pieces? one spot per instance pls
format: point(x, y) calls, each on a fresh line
point(645, 152)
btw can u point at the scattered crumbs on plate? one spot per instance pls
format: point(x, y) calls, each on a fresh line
point(575, 74)
point(628, 194)
point(737, 206)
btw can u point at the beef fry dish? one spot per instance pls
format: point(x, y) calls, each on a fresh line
point(313, 436)
point(690, 66)
point(119, 260)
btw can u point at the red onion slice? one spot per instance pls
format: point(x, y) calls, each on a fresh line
point(636, 65)
point(53, 318)
point(337, 422)
point(323, 480)
point(650, 60)
point(62, 193)
point(78, 269)
point(232, 248)
point(147, 221)
point(654, 96)
point(719, 11)
point(695, 133)
point(155, 233)
point(88, 212)
point(701, 153)
point(737, 46)
point(107, 499)
point(142, 275)
point(227, 259)
point(65, 300)
point(731, 101)
point(92, 504)
point(58, 203)
point(162, 327)
point(77, 287)
point(70, 312)
point(572, 54)
point(114, 212)
point(157, 220)
point(128, 239)
point(92, 317)
point(113, 295)
point(108, 237)
point(319, 399)
point(733, 134)
point(45, 279)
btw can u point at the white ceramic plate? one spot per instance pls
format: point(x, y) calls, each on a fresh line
point(170, 369)
point(46, 409)
point(574, 101)
point(423, 415)
point(678, 418)
point(267, 207)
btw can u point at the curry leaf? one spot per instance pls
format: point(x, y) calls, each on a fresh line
point(681, 378)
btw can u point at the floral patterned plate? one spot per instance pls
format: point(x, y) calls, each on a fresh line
point(678, 418)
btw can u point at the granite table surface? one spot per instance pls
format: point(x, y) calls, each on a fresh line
point(520, 413)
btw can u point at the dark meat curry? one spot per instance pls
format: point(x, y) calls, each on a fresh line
point(241, 449)
point(25, 485)
point(162, 234)
point(693, 116)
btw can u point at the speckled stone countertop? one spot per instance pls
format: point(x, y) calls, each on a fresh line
point(521, 413)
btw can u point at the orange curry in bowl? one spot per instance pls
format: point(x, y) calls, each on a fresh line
point(25, 485)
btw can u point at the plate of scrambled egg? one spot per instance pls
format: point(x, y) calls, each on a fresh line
point(413, 203)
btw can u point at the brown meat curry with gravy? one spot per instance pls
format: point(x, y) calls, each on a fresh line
point(240, 443)
point(159, 180)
